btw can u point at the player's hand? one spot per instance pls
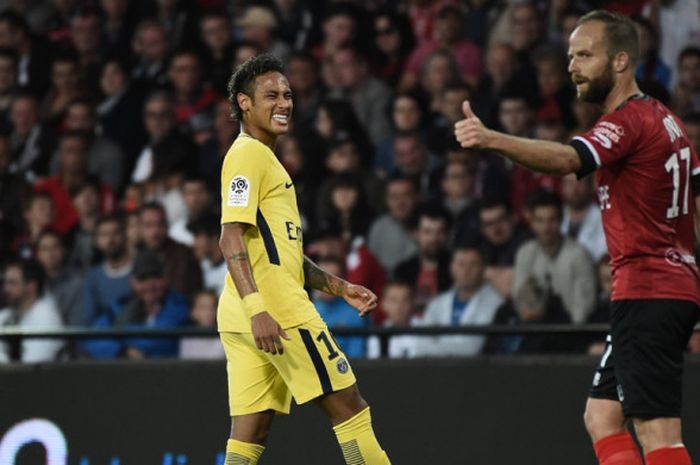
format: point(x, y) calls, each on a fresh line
point(267, 333)
point(470, 131)
point(360, 297)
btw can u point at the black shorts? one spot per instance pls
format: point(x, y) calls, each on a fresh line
point(642, 366)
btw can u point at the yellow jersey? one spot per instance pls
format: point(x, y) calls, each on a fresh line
point(256, 189)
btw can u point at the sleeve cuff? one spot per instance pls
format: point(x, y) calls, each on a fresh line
point(695, 182)
point(589, 163)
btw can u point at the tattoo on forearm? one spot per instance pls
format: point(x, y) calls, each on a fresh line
point(238, 257)
point(316, 278)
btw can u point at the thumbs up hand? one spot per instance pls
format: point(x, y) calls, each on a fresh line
point(470, 131)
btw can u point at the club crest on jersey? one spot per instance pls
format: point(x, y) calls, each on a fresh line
point(342, 366)
point(238, 192)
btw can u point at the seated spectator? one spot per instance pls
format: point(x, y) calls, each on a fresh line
point(9, 86)
point(152, 303)
point(533, 304)
point(471, 301)
point(65, 87)
point(500, 238)
point(29, 307)
point(345, 208)
point(336, 119)
point(31, 141)
point(203, 314)
point(596, 344)
point(437, 71)
point(393, 41)
point(72, 174)
point(651, 66)
point(556, 91)
point(38, 214)
point(198, 202)
point(258, 25)
point(582, 219)
point(215, 34)
point(686, 94)
point(105, 158)
point(411, 157)
point(86, 31)
point(449, 111)
point(33, 51)
point(108, 281)
point(150, 45)
point(429, 270)
point(182, 270)
point(369, 95)
point(120, 112)
point(458, 197)
point(205, 245)
point(407, 115)
point(194, 100)
point(448, 36)
point(398, 305)
point(560, 265)
point(340, 27)
point(13, 195)
point(337, 313)
point(304, 80)
point(501, 71)
point(64, 284)
point(389, 236)
point(87, 203)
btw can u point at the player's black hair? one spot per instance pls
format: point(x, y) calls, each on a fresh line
point(620, 33)
point(243, 79)
point(31, 271)
point(689, 51)
point(544, 198)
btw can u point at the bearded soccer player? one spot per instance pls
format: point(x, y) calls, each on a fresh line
point(276, 344)
point(648, 178)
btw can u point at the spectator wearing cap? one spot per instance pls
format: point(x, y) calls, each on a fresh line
point(182, 269)
point(151, 304)
point(205, 232)
point(29, 307)
point(369, 96)
point(447, 35)
point(258, 25)
point(107, 281)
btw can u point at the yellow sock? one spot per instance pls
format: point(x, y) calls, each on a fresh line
point(242, 453)
point(358, 443)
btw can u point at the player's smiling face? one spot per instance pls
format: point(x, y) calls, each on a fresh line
point(589, 63)
point(271, 108)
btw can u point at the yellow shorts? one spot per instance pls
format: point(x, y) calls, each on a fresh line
point(312, 365)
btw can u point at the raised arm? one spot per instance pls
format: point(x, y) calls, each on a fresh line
point(266, 331)
point(537, 155)
point(358, 296)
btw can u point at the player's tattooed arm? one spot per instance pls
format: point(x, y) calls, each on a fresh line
point(235, 253)
point(316, 278)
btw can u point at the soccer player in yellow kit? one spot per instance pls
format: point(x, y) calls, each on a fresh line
point(276, 344)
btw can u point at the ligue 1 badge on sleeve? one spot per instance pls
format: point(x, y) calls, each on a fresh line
point(239, 191)
point(342, 366)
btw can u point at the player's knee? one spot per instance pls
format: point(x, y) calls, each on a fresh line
point(601, 423)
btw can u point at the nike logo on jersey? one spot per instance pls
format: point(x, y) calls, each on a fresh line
point(288, 185)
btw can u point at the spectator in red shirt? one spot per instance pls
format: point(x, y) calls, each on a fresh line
point(447, 35)
point(73, 173)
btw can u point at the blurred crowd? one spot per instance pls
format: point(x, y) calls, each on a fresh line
point(114, 120)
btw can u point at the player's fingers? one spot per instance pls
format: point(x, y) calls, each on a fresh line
point(278, 345)
point(258, 343)
point(284, 334)
point(270, 343)
point(467, 109)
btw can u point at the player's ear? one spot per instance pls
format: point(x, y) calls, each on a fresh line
point(621, 62)
point(243, 101)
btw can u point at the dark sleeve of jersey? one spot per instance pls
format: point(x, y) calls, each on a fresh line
point(588, 164)
point(695, 180)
